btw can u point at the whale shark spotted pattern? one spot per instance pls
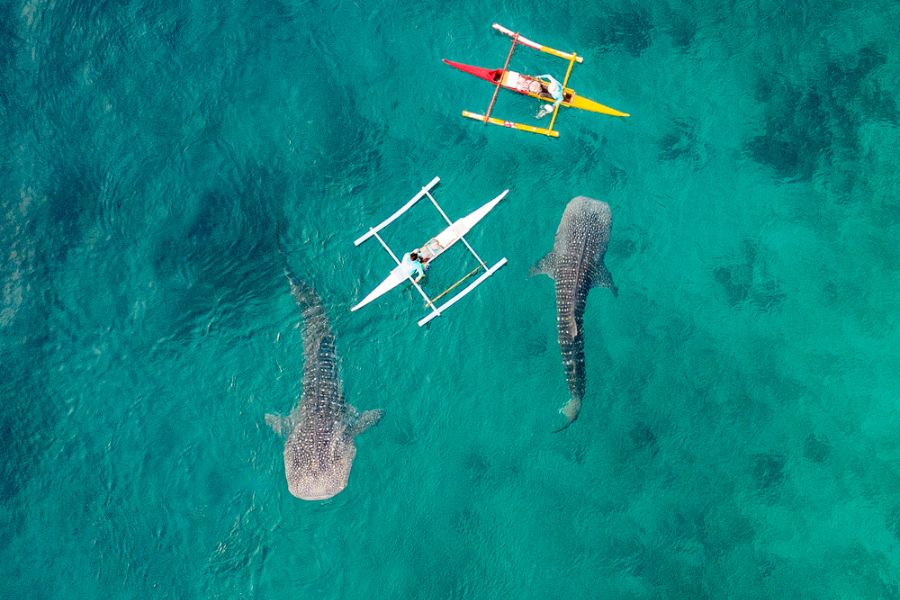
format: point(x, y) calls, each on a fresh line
point(320, 448)
point(576, 264)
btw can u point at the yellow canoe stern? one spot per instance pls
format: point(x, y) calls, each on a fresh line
point(573, 100)
point(580, 102)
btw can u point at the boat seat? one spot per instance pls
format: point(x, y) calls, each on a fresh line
point(513, 79)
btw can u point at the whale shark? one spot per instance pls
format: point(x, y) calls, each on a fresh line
point(576, 264)
point(320, 447)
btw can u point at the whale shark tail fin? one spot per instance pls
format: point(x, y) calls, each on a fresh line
point(570, 410)
point(303, 292)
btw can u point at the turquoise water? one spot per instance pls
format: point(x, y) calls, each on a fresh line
point(739, 437)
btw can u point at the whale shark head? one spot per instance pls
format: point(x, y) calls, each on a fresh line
point(320, 448)
point(319, 475)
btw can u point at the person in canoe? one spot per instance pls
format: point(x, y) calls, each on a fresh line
point(415, 265)
point(431, 249)
point(554, 88)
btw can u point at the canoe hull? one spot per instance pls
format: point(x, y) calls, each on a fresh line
point(432, 248)
point(520, 83)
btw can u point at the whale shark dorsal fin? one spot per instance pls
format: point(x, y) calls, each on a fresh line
point(364, 421)
point(601, 277)
point(545, 266)
point(572, 326)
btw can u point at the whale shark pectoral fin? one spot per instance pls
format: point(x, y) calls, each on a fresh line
point(545, 266)
point(365, 420)
point(278, 424)
point(601, 277)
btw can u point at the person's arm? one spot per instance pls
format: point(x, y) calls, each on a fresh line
point(421, 273)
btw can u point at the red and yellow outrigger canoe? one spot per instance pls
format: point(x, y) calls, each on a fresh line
point(530, 86)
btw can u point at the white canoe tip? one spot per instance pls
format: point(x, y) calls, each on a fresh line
point(367, 300)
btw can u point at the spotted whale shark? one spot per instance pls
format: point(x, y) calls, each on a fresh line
point(576, 264)
point(320, 447)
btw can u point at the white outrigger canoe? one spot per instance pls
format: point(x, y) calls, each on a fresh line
point(433, 248)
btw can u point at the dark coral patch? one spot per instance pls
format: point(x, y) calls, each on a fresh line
point(682, 143)
point(465, 522)
point(643, 438)
point(476, 463)
point(682, 30)
point(736, 281)
point(892, 521)
point(797, 134)
point(629, 29)
point(811, 124)
point(816, 449)
point(768, 470)
point(746, 280)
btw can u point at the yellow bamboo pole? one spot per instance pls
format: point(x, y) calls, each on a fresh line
point(563, 90)
point(450, 289)
point(510, 124)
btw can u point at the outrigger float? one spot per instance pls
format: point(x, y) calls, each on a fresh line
point(530, 86)
point(433, 248)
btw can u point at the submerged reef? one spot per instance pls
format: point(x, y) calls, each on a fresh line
point(815, 123)
point(626, 28)
point(746, 279)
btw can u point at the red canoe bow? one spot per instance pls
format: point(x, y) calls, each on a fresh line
point(492, 75)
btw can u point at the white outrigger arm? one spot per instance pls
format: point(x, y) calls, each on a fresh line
point(520, 39)
point(374, 230)
point(436, 246)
